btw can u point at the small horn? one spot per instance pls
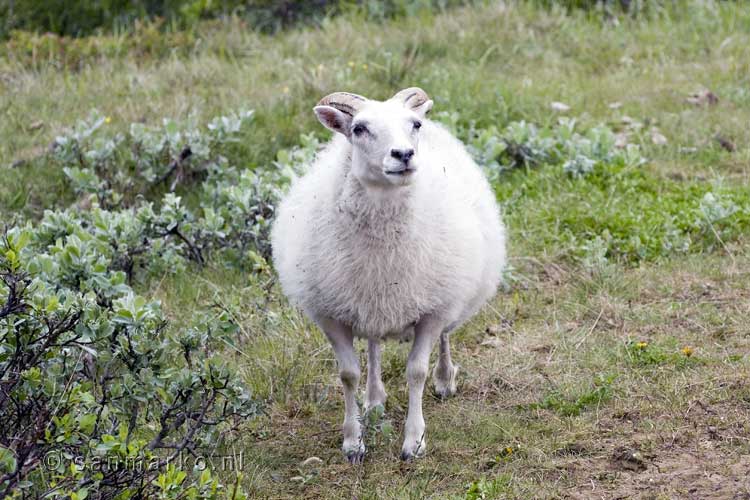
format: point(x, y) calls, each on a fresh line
point(412, 98)
point(345, 102)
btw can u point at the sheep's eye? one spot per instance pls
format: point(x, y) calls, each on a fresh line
point(359, 130)
point(417, 125)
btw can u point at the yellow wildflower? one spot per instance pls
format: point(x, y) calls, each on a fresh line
point(285, 90)
point(687, 351)
point(351, 64)
point(107, 119)
point(641, 345)
point(364, 67)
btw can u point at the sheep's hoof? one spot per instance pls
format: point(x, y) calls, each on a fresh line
point(356, 455)
point(445, 386)
point(408, 454)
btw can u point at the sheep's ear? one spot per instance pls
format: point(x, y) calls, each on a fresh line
point(334, 119)
point(415, 99)
point(336, 111)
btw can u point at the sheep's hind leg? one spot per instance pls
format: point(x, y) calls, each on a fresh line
point(375, 393)
point(445, 372)
point(342, 341)
point(417, 366)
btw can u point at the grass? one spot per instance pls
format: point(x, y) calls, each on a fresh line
point(578, 367)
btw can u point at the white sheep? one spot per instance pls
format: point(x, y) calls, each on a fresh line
point(394, 230)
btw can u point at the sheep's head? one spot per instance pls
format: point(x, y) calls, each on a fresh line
point(384, 135)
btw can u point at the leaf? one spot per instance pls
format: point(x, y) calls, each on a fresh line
point(86, 423)
point(8, 461)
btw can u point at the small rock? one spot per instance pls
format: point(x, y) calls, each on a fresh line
point(312, 461)
point(559, 106)
point(657, 137)
point(621, 140)
point(492, 342)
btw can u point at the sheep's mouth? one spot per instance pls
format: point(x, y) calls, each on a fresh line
point(401, 172)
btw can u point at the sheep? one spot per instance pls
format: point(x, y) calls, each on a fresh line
point(393, 231)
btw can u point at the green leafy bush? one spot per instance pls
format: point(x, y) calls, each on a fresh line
point(91, 373)
point(610, 206)
point(116, 168)
point(523, 144)
point(97, 392)
point(233, 213)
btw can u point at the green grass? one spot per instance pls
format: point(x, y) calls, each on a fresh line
point(559, 378)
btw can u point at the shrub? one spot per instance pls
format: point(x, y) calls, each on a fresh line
point(522, 144)
point(91, 373)
point(234, 209)
point(97, 393)
point(117, 168)
point(607, 204)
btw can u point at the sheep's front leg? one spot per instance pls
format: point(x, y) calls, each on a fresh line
point(375, 393)
point(445, 372)
point(426, 332)
point(342, 341)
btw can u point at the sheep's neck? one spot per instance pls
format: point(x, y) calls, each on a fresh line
point(378, 214)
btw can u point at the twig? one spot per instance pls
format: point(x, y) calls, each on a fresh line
point(175, 165)
point(193, 248)
point(578, 344)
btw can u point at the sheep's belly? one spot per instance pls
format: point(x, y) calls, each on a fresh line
point(375, 303)
point(404, 335)
point(382, 310)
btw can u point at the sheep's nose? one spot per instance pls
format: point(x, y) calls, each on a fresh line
point(402, 154)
